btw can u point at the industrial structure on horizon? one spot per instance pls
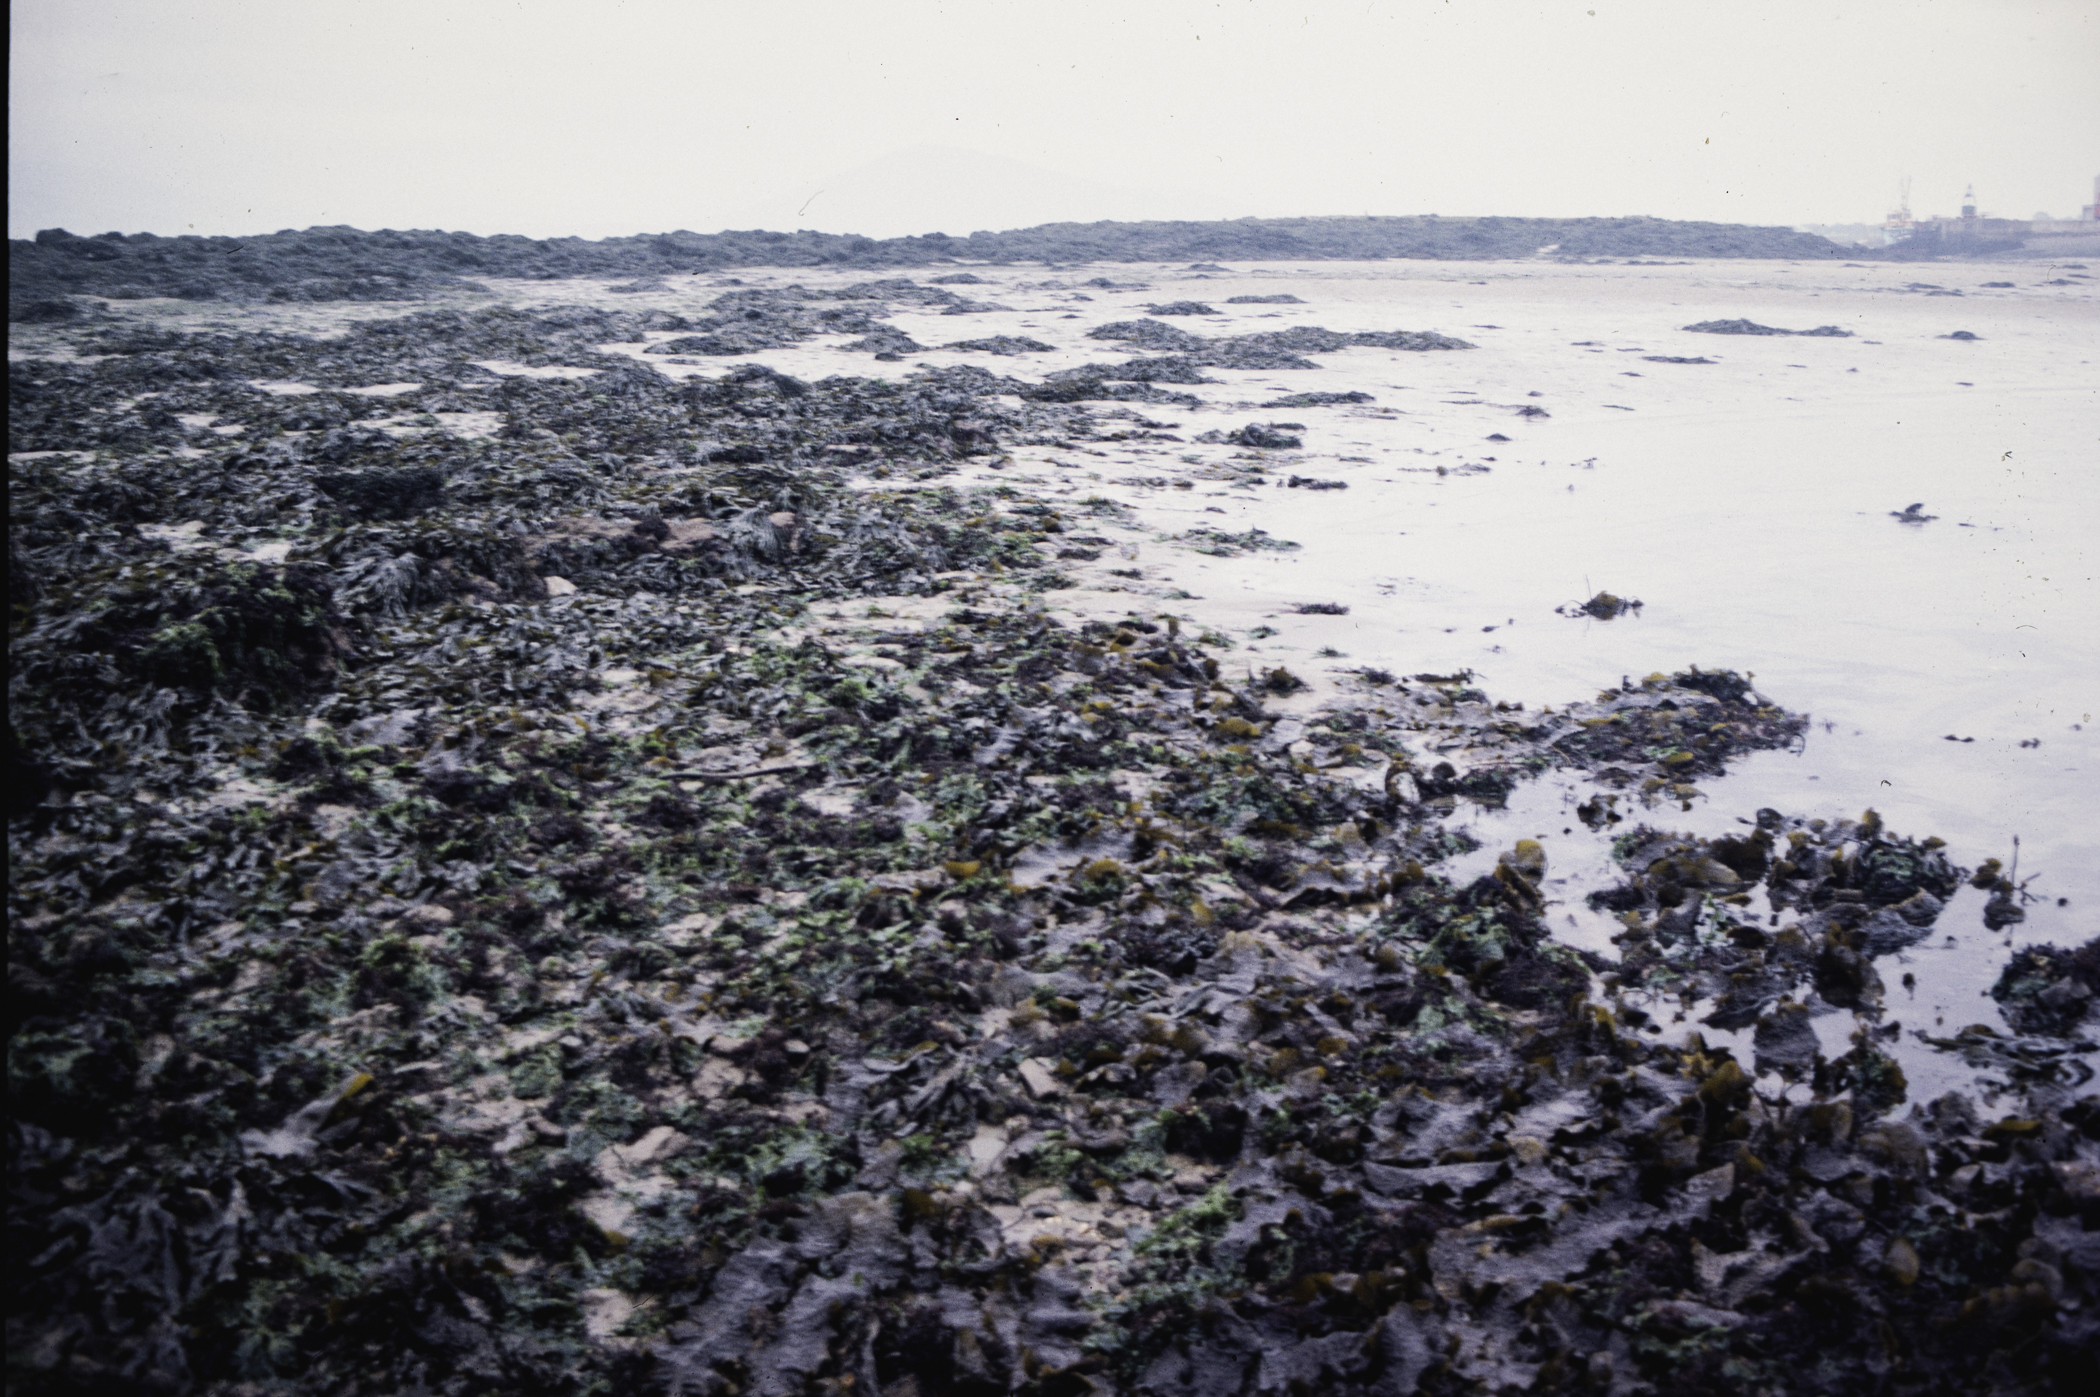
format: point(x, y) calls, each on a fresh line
point(1972, 227)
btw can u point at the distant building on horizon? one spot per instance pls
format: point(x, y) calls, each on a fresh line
point(1974, 230)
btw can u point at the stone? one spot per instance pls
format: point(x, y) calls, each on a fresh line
point(1041, 1082)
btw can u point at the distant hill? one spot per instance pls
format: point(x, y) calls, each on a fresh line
point(1866, 235)
point(341, 263)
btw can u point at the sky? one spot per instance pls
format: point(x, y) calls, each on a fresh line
point(887, 117)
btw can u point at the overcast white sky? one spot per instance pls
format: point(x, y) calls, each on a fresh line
point(223, 116)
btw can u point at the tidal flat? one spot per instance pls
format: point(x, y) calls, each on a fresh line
point(1126, 828)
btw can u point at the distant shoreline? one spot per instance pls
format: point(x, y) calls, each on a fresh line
point(342, 263)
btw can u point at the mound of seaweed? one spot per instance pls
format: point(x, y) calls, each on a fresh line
point(1751, 327)
point(1184, 356)
point(342, 263)
point(1269, 349)
point(630, 891)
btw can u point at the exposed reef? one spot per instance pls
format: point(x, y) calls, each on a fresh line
point(341, 263)
point(612, 883)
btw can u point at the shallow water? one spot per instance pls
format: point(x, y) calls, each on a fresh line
point(1746, 501)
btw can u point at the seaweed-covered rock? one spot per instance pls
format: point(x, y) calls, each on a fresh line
point(1082, 388)
point(1854, 893)
point(1751, 327)
point(1606, 606)
point(1000, 344)
point(1146, 334)
point(385, 494)
point(2049, 991)
point(885, 341)
point(1270, 436)
point(330, 263)
point(258, 634)
point(1163, 368)
point(783, 958)
point(1319, 399)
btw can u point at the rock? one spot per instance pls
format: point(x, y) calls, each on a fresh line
point(1603, 607)
point(1281, 298)
point(1887, 930)
point(985, 1148)
point(885, 342)
point(2080, 1179)
point(1961, 335)
point(2047, 990)
point(1786, 1040)
point(1080, 390)
point(1751, 327)
point(1182, 308)
point(1040, 1079)
point(684, 537)
point(1265, 436)
point(1166, 368)
point(1734, 327)
point(1146, 334)
point(558, 586)
point(1172, 1086)
point(604, 1310)
point(717, 1078)
point(1319, 399)
point(1901, 1259)
point(999, 344)
point(1713, 1186)
point(1528, 858)
point(661, 1142)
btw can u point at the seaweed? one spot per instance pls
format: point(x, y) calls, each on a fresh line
point(783, 957)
